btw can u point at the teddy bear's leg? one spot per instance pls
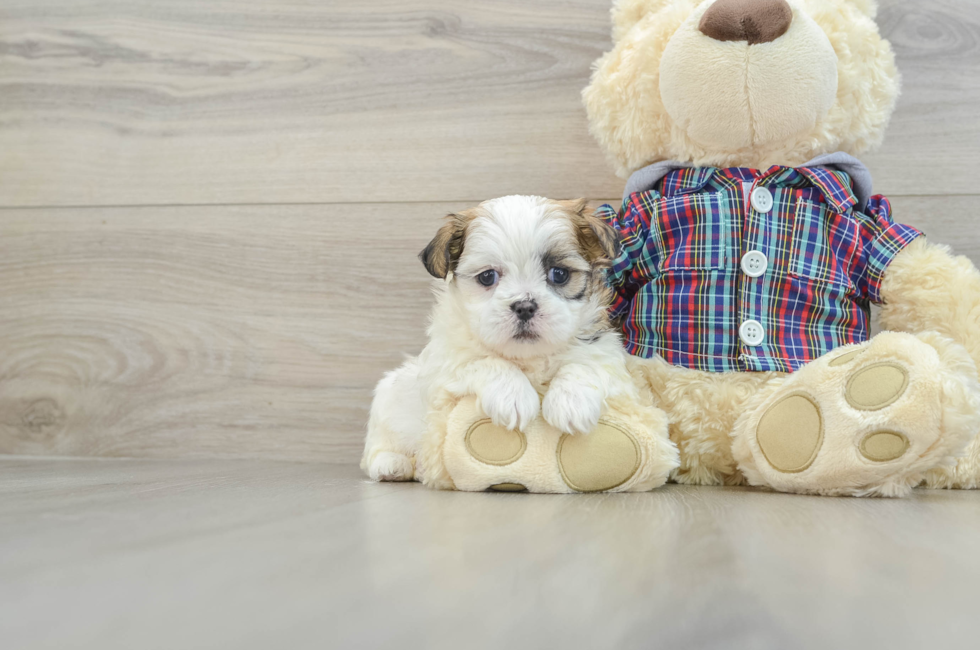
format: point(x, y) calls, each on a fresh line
point(867, 419)
point(929, 289)
point(703, 408)
point(628, 452)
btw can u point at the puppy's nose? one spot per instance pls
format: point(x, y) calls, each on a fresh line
point(755, 21)
point(524, 309)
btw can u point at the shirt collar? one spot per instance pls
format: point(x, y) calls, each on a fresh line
point(843, 180)
point(834, 185)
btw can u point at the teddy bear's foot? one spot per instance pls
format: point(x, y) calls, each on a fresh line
point(863, 420)
point(628, 451)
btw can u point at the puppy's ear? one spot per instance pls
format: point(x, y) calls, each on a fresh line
point(605, 237)
point(598, 240)
point(443, 252)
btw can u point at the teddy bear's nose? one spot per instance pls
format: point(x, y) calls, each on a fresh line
point(755, 21)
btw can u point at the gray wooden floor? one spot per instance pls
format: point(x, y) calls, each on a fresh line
point(107, 554)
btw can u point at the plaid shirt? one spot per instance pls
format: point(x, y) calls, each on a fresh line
point(683, 292)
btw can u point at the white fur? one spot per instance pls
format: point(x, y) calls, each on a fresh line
point(473, 348)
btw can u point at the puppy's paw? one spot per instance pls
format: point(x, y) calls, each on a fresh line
point(572, 407)
point(510, 401)
point(391, 466)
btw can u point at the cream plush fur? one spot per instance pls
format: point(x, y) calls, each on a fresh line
point(633, 86)
point(668, 92)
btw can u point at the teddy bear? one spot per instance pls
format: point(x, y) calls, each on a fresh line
point(753, 245)
point(750, 247)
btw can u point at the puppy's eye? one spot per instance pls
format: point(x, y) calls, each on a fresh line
point(558, 275)
point(487, 278)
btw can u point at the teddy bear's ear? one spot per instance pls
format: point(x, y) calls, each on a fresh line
point(626, 13)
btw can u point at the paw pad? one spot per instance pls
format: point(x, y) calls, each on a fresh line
point(882, 446)
point(790, 433)
point(494, 445)
point(876, 386)
point(508, 487)
point(601, 460)
point(845, 358)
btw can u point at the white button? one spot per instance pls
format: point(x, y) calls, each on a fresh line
point(761, 199)
point(751, 333)
point(754, 264)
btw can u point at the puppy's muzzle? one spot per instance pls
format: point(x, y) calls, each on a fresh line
point(524, 309)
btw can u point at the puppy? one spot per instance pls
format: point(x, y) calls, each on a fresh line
point(521, 311)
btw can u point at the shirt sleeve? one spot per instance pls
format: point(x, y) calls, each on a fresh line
point(633, 226)
point(881, 240)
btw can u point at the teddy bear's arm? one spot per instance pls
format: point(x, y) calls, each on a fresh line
point(927, 288)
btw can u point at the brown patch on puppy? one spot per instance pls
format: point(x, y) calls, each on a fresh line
point(579, 274)
point(598, 241)
point(599, 244)
point(443, 252)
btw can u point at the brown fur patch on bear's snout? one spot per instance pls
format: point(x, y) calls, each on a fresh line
point(755, 21)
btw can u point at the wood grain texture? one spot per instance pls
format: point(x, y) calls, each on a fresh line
point(191, 101)
point(234, 331)
point(245, 554)
point(953, 220)
point(126, 102)
point(934, 137)
point(259, 330)
point(231, 331)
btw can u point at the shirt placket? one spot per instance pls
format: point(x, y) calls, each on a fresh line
point(752, 266)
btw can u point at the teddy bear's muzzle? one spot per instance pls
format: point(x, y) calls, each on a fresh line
point(760, 75)
point(754, 21)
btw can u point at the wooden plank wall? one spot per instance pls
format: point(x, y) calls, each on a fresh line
point(209, 210)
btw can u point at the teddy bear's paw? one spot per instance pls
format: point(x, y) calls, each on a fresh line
point(627, 450)
point(608, 457)
point(492, 444)
point(863, 420)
